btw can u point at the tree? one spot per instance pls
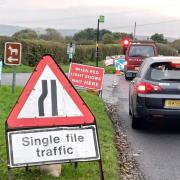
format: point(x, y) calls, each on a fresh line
point(26, 34)
point(108, 38)
point(52, 35)
point(176, 44)
point(90, 34)
point(69, 39)
point(86, 34)
point(159, 38)
point(102, 32)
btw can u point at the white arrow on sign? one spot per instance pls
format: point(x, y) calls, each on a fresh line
point(11, 59)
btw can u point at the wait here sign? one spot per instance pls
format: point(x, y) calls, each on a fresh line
point(52, 145)
point(89, 77)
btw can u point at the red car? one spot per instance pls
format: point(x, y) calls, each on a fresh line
point(135, 54)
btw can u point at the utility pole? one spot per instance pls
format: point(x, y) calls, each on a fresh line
point(1, 66)
point(100, 20)
point(97, 45)
point(134, 35)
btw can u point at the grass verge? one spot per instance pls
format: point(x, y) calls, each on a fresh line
point(87, 170)
point(64, 67)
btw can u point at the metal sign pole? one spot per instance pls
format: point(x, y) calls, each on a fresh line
point(101, 170)
point(14, 79)
point(1, 65)
point(97, 45)
point(9, 174)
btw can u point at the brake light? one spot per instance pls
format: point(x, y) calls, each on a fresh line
point(144, 88)
point(175, 64)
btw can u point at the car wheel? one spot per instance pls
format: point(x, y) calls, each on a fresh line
point(129, 108)
point(130, 112)
point(126, 78)
point(137, 123)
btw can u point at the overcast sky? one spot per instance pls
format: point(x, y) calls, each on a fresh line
point(151, 16)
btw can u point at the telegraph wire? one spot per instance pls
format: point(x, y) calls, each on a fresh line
point(147, 24)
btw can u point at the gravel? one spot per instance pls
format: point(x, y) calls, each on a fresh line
point(129, 169)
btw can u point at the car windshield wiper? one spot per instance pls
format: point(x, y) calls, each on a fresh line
point(137, 55)
point(170, 79)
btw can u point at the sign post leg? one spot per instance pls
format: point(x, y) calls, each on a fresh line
point(26, 168)
point(9, 174)
point(101, 170)
point(14, 79)
point(75, 165)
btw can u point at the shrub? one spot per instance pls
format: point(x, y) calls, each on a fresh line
point(33, 50)
point(166, 50)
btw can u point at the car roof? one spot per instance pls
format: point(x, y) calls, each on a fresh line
point(152, 60)
point(142, 44)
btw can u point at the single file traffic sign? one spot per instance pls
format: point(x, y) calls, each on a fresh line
point(52, 145)
point(49, 99)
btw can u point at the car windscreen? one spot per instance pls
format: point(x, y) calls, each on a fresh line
point(164, 71)
point(141, 51)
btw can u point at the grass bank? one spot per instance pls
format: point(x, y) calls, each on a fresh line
point(65, 67)
point(88, 170)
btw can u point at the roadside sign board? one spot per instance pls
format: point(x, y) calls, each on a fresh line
point(50, 122)
point(49, 99)
point(52, 145)
point(12, 53)
point(71, 48)
point(101, 19)
point(89, 77)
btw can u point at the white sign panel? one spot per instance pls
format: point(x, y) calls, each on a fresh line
point(52, 145)
point(65, 105)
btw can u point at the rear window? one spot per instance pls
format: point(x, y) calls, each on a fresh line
point(142, 51)
point(164, 71)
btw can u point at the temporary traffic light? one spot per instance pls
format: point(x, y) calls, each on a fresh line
point(126, 43)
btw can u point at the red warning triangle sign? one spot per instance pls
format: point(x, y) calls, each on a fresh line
point(49, 99)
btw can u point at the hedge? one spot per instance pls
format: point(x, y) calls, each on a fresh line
point(166, 50)
point(33, 50)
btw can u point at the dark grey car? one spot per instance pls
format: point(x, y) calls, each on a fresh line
point(155, 92)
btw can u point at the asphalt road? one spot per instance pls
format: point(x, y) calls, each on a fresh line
point(158, 146)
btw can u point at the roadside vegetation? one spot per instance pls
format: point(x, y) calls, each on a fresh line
point(35, 45)
point(65, 67)
point(88, 170)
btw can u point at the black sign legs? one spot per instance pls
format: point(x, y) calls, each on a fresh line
point(101, 170)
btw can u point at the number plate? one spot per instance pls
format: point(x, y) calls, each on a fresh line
point(174, 104)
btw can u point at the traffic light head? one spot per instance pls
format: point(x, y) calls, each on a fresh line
point(126, 43)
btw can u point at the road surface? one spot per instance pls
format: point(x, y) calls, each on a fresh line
point(158, 146)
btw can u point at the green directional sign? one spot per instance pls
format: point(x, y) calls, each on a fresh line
point(101, 19)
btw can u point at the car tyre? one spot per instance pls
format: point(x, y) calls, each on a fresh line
point(126, 78)
point(137, 123)
point(130, 112)
point(129, 108)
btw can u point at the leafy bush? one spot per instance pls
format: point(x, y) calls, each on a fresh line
point(166, 50)
point(176, 44)
point(33, 50)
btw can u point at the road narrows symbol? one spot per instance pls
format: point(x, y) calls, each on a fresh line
point(54, 98)
point(42, 97)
